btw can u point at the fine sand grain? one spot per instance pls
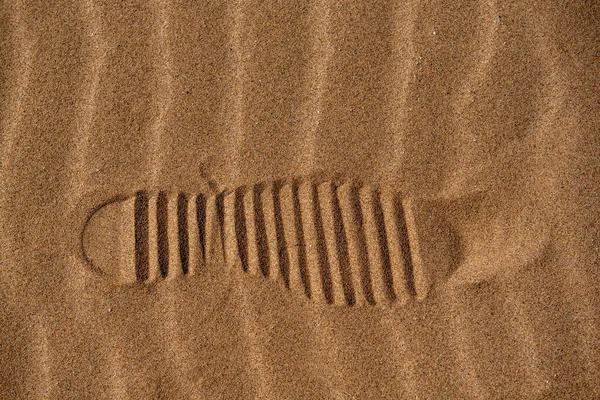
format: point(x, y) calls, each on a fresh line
point(299, 200)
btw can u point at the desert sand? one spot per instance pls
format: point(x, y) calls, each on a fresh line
point(299, 200)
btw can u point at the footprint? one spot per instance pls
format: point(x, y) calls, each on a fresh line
point(331, 242)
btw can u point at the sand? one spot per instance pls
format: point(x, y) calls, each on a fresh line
point(299, 200)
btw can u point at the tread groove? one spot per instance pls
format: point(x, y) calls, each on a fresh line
point(314, 261)
point(342, 250)
point(301, 245)
point(182, 225)
point(405, 246)
point(220, 215)
point(281, 241)
point(240, 228)
point(251, 235)
point(195, 251)
point(162, 233)
point(201, 223)
point(361, 242)
point(267, 199)
point(325, 270)
point(325, 198)
point(372, 236)
point(141, 236)
point(153, 264)
point(261, 230)
point(382, 236)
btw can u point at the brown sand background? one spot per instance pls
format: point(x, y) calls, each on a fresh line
point(427, 98)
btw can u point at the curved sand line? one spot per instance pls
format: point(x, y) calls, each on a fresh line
point(97, 44)
point(42, 381)
point(78, 155)
point(234, 102)
point(257, 365)
point(527, 343)
point(12, 119)
point(163, 97)
point(459, 341)
point(23, 58)
point(558, 79)
point(324, 341)
point(488, 49)
point(98, 48)
point(521, 326)
point(316, 78)
point(161, 52)
point(406, 17)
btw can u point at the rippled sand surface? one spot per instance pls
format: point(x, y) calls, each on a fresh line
point(313, 200)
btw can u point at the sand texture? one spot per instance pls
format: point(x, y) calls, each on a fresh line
point(299, 200)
